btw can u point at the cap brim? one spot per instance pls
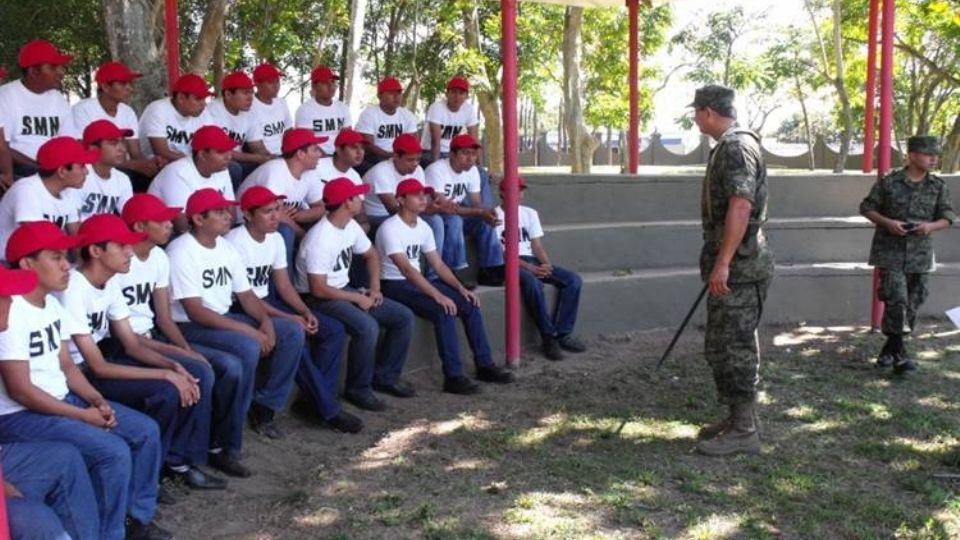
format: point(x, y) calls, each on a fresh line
point(130, 238)
point(89, 157)
point(62, 59)
point(15, 282)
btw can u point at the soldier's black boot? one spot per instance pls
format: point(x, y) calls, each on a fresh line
point(889, 351)
point(902, 362)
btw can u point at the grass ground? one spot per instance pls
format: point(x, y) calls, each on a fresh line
point(600, 446)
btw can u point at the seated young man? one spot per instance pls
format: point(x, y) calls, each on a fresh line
point(323, 268)
point(271, 116)
point(45, 396)
point(146, 288)
point(384, 177)
point(124, 367)
point(106, 188)
point(206, 273)
point(324, 115)
point(168, 124)
point(382, 123)
point(400, 242)
point(556, 331)
point(448, 118)
point(232, 113)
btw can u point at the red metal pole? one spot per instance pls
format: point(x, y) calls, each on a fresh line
point(886, 128)
point(633, 137)
point(508, 47)
point(172, 34)
point(868, 127)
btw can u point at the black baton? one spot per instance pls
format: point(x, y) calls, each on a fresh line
point(683, 325)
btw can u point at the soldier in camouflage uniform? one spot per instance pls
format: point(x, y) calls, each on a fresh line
point(907, 206)
point(737, 266)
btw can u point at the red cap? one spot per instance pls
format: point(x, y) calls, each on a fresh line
point(237, 80)
point(407, 143)
point(520, 181)
point(340, 189)
point(323, 74)
point(258, 196)
point(390, 84)
point(458, 83)
point(266, 72)
point(206, 199)
point(147, 207)
point(464, 140)
point(115, 72)
point(297, 138)
point(107, 228)
point(212, 138)
point(14, 282)
point(3, 74)
point(61, 151)
point(39, 52)
point(412, 186)
point(103, 130)
point(348, 136)
point(191, 84)
point(29, 238)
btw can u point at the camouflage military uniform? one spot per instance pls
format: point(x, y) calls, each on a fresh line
point(736, 168)
point(905, 261)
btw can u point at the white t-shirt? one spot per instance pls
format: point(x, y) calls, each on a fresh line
point(383, 179)
point(213, 275)
point(88, 111)
point(327, 171)
point(104, 196)
point(529, 229)
point(270, 121)
point(386, 127)
point(91, 308)
point(161, 120)
point(28, 200)
point(328, 250)
point(259, 258)
point(324, 120)
point(451, 123)
point(275, 176)
point(241, 127)
point(451, 184)
point(138, 284)
point(395, 236)
point(30, 119)
point(35, 334)
point(178, 180)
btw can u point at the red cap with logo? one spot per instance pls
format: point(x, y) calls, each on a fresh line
point(206, 199)
point(348, 136)
point(103, 130)
point(147, 207)
point(458, 83)
point(62, 151)
point(212, 138)
point(340, 189)
point(390, 84)
point(35, 236)
point(407, 143)
point(266, 72)
point(464, 140)
point(237, 80)
point(39, 52)
point(258, 196)
point(297, 138)
point(521, 183)
point(192, 84)
point(115, 72)
point(107, 228)
point(322, 74)
point(412, 186)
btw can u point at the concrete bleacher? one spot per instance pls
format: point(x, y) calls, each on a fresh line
point(636, 241)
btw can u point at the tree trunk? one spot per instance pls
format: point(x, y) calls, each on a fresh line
point(219, 63)
point(536, 139)
point(838, 82)
point(806, 123)
point(210, 33)
point(487, 94)
point(582, 142)
point(130, 37)
point(951, 149)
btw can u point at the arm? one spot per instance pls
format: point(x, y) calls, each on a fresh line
point(312, 214)
point(389, 201)
point(255, 308)
point(423, 284)
point(163, 319)
point(735, 226)
point(289, 295)
point(6, 163)
point(137, 162)
point(162, 149)
point(476, 209)
point(16, 378)
point(22, 159)
point(374, 149)
point(434, 140)
point(257, 147)
point(540, 252)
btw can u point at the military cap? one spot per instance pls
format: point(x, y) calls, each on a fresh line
point(925, 144)
point(714, 96)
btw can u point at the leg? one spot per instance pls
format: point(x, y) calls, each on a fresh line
point(282, 364)
point(489, 250)
point(364, 333)
point(893, 293)
point(290, 243)
point(454, 251)
point(916, 295)
point(444, 326)
point(731, 345)
point(531, 289)
point(472, 321)
point(30, 519)
point(236, 174)
point(397, 322)
point(192, 440)
point(568, 286)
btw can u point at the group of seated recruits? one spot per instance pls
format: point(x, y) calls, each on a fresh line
point(127, 360)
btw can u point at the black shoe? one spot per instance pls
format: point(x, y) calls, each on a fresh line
point(468, 282)
point(551, 349)
point(572, 344)
point(345, 422)
point(494, 374)
point(222, 462)
point(491, 276)
point(400, 389)
point(261, 422)
point(195, 478)
point(149, 531)
point(903, 363)
point(460, 385)
point(165, 495)
point(367, 403)
point(885, 359)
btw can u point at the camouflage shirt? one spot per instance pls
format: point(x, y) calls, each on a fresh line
point(895, 196)
point(736, 168)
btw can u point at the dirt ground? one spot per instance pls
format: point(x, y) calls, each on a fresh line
point(601, 446)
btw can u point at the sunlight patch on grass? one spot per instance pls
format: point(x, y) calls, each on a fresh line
point(939, 402)
point(925, 446)
point(929, 355)
point(322, 517)
point(550, 515)
point(804, 413)
point(714, 526)
point(468, 465)
point(821, 426)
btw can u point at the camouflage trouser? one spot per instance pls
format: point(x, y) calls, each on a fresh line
point(731, 346)
point(902, 295)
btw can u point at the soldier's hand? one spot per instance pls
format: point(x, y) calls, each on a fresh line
point(897, 228)
point(718, 280)
point(922, 229)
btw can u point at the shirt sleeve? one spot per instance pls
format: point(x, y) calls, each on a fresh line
point(427, 242)
point(945, 205)
point(73, 305)
point(410, 122)
point(26, 207)
point(473, 180)
point(163, 271)
point(474, 118)
point(361, 242)
point(118, 309)
point(391, 241)
point(81, 118)
point(366, 124)
point(740, 171)
point(535, 230)
point(279, 252)
point(240, 282)
point(320, 259)
point(382, 183)
point(185, 280)
point(14, 343)
point(151, 124)
point(873, 202)
point(254, 133)
point(435, 179)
